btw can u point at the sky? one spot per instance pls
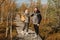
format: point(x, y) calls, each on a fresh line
point(19, 2)
point(43, 1)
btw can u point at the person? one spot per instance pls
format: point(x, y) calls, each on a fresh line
point(36, 19)
point(26, 21)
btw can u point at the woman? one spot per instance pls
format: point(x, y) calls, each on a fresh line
point(26, 21)
point(36, 19)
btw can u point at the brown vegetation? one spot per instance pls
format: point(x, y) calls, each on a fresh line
point(50, 24)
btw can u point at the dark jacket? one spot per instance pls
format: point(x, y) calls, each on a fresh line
point(37, 19)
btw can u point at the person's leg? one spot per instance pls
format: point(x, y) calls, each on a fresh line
point(27, 26)
point(36, 29)
point(24, 27)
point(23, 32)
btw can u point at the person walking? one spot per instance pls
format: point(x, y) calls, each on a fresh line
point(36, 19)
point(26, 21)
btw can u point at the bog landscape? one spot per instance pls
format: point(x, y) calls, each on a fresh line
point(49, 28)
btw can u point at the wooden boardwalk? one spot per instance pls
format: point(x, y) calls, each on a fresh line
point(31, 34)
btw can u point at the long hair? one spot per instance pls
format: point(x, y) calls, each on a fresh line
point(38, 11)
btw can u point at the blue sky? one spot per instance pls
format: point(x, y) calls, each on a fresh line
point(19, 2)
point(44, 1)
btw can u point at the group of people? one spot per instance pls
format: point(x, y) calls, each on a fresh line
point(35, 18)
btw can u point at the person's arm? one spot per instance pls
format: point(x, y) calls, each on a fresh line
point(39, 18)
point(32, 15)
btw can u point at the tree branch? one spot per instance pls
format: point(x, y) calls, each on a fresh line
point(2, 2)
